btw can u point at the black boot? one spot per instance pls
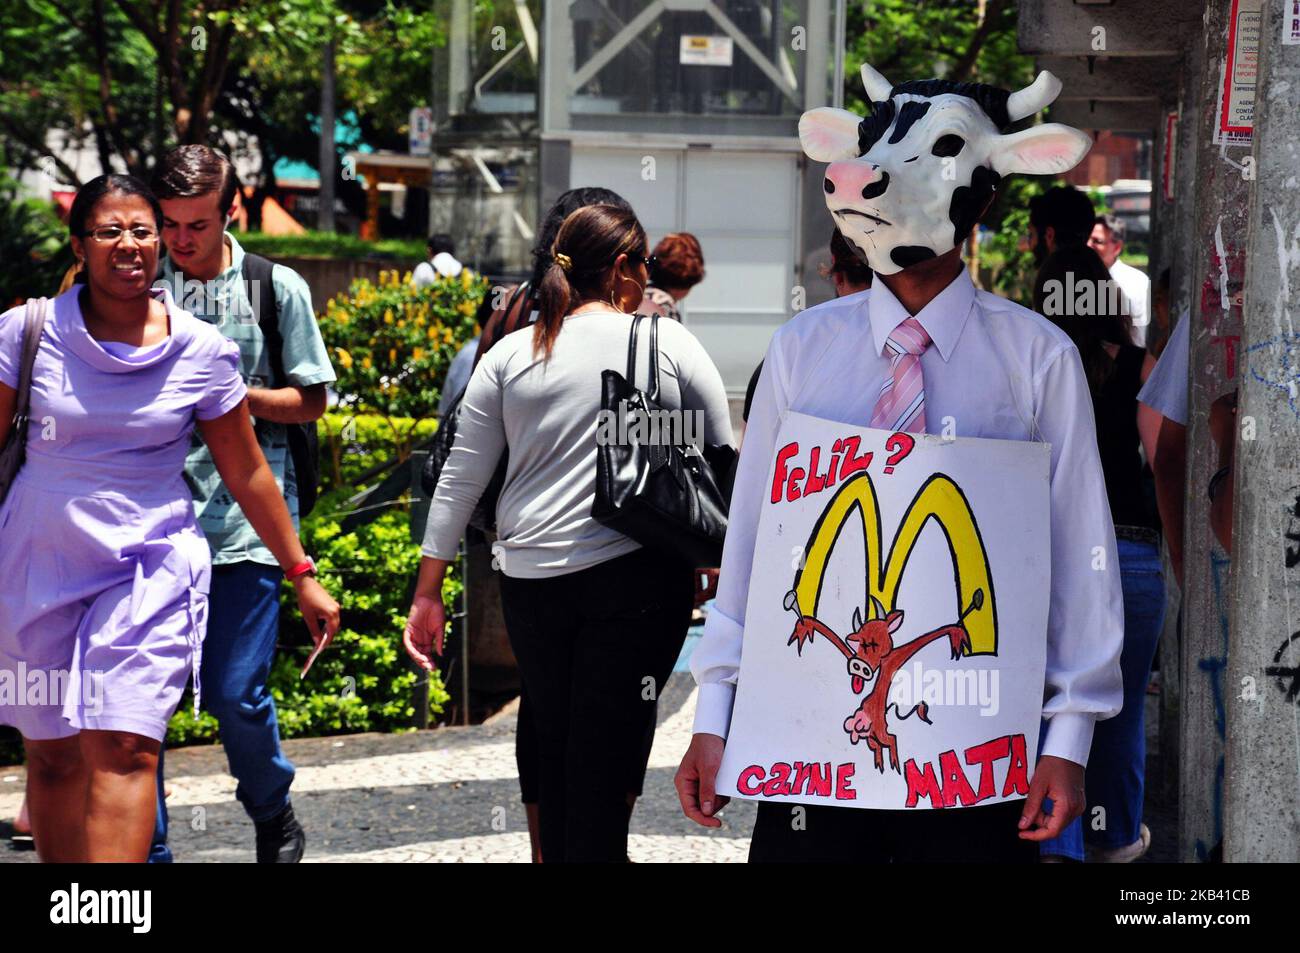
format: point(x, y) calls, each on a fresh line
point(280, 840)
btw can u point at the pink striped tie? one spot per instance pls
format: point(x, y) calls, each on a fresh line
point(901, 404)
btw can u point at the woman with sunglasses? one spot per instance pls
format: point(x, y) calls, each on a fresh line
point(595, 621)
point(106, 574)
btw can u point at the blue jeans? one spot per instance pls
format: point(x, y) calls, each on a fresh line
point(243, 623)
point(1115, 779)
point(159, 852)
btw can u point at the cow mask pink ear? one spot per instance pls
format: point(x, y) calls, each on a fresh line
point(1048, 149)
point(829, 135)
point(895, 620)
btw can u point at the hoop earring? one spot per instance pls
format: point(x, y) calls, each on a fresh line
point(640, 288)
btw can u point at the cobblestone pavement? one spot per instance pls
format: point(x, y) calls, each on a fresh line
point(449, 795)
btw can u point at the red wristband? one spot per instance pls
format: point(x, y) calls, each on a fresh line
point(306, 567)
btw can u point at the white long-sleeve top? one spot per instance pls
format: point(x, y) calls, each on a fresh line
point(995, 370)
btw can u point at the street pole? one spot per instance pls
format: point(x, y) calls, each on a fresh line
point(1261, 819)
point(328, 160)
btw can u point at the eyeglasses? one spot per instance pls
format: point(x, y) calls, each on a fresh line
point(108, 234)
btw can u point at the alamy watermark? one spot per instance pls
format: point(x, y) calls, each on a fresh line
point(975, 687)
point(43, 687)
point(677, 428)
point(212, 298)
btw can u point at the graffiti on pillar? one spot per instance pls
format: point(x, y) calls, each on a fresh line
point(1292, 534)
point(1285, 670)
point(1215, 668)
point(1282, 372)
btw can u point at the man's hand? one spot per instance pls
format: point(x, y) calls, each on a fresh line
point(1062, 781)
point(695, 780)
point(320, 612)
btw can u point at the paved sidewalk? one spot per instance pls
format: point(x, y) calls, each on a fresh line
point(448, 795)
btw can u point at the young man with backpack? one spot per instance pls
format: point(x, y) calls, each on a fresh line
point(266, 309)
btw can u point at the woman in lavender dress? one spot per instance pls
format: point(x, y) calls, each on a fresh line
point(105, 573)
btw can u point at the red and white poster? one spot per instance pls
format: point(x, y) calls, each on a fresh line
point(1241, 70)
point(896, 629)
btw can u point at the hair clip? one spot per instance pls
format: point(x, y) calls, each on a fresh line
point(563, 260)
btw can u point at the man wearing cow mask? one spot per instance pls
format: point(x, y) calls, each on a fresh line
point(905, 186)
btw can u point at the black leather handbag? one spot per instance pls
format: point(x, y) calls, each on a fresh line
point(667, 495)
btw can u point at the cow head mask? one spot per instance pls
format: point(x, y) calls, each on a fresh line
point(908, 182)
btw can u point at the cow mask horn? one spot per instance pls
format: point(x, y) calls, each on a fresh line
point(909, 181)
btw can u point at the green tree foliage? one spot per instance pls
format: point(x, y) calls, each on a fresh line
point(924, 39)
point(136, 77)
point(948, 39)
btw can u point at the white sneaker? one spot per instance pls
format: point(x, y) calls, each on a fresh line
point(1122, 855)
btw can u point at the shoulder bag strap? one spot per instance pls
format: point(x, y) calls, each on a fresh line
point(631, 350)
point(653, 383)
point(33, 328)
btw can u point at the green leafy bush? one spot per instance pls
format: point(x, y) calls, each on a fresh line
point(392, 342)
point(363, 681)
point(352, 445)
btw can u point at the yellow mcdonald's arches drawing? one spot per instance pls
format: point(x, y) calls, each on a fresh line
point(940, 499)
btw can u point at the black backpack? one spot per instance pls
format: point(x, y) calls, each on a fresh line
point(304, 443)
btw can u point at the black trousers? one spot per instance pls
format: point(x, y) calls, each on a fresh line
point(595, 648)
point(853, 836)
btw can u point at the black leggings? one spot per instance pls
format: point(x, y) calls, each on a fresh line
point(595, 648)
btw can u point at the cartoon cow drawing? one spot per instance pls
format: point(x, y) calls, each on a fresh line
point(908, 182)
point(871, 654)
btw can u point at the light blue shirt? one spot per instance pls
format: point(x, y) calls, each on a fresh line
point(462, 365)
point(224, 303)
point(1166, 388)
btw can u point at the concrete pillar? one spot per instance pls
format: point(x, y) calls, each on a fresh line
point(1217, 248)
point(556, 67)
point(1261, 819)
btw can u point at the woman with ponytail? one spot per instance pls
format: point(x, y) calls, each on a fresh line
point(596, 622)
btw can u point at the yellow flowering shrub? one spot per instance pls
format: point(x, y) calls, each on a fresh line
point(393, 342)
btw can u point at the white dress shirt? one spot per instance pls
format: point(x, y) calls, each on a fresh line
point(996, 370)
point(1137, 289)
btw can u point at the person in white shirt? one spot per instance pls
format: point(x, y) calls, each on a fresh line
point(1107, 240)
point(994, 370)
point(442, 262)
